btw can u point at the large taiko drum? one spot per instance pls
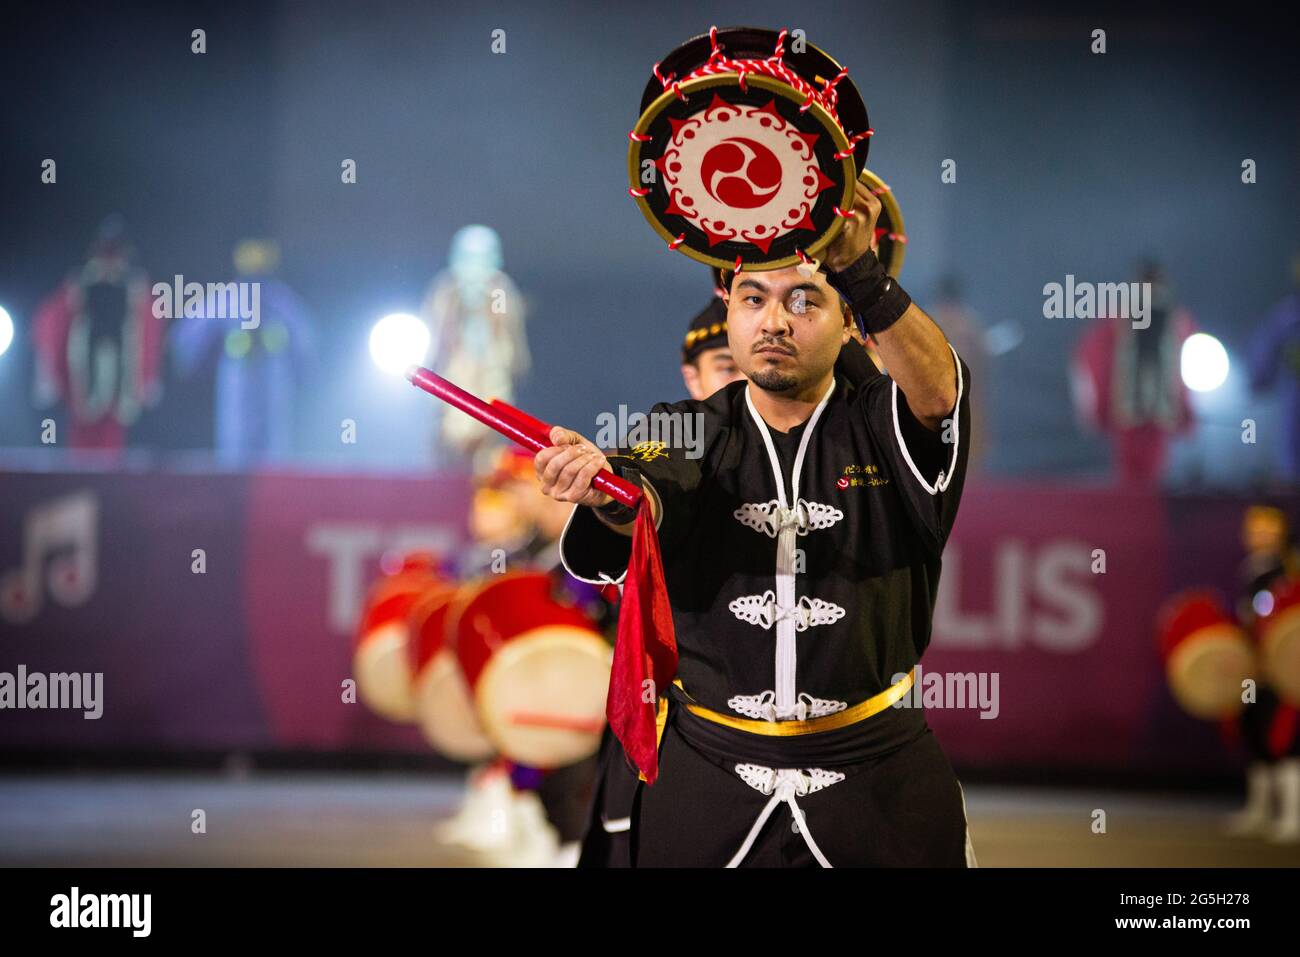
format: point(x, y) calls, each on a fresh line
point(537, 667)
point(380, 659)
point(443, 705)
point(1207, 655)
point(1279, 641)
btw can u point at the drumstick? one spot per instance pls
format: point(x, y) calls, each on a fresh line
point(496, 418)
point(559, 722)
point(536, 426)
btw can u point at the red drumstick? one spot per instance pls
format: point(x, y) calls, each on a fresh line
point(536, 426)
point(512, 428)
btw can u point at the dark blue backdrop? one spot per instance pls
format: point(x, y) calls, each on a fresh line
point(1068, 162)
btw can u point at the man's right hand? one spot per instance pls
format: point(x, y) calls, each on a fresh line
point(565, 470)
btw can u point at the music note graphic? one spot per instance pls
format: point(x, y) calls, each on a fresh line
point(60, 539)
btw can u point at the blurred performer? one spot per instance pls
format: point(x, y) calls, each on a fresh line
point(259, 361)
point(1275, 363)
point(98, 344)
point(780, 745)
point(500, 519)
point(1128, 382)
point(500, 815)
point(516, 529)
point(567, 791)
point(1269, 727)
point(476, 317)
point(707, 364)
point(1270, 557)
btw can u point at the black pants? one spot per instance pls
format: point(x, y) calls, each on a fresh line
point(606, 842)
point(901, 809)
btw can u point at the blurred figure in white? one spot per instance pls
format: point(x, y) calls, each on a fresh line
point(476, 316)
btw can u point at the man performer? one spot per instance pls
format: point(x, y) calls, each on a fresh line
point(801, 552)
point(707, 366)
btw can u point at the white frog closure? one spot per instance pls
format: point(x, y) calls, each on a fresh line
point(771, 517)
point(784, 785)
point(785, 520)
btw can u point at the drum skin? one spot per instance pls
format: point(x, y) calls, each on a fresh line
point(1207, 656)
point(1279, 641)
point(380, 659)
point(442, 703)
point(537, 667)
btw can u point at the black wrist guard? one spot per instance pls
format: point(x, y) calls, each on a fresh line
point(874, 294)
point(616, 511)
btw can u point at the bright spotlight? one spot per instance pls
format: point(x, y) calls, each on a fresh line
point(6, 330)
point(1204, 362)
point(397, 341)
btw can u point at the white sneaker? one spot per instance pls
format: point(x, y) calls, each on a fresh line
point(1285, 828)
point(568, 854)
point(533, 842)
point(484, 820)
point(1256, 817)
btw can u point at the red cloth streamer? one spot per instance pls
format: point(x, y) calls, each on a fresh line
point(646, 649)
point(645, 656)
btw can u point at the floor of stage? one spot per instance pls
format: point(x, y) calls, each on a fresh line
point(385, 819)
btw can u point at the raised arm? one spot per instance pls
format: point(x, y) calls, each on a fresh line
point(914, 350)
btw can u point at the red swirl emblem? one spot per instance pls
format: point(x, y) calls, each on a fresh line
point(740, 173)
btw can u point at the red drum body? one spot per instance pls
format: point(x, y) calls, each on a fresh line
point(537, 667)
point(381, 659)
point(443, 706)
point(1207, 655)
point(1279, 641)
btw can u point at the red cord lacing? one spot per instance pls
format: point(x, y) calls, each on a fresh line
point(773, 66)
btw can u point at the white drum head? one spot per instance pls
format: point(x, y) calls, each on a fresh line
point(1281, 654)
point(446, 711)
point(383, 670)
point(541, 698)
point(1207, 670)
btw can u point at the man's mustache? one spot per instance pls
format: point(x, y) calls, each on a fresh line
point(776, 344)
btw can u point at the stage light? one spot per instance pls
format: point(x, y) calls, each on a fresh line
point(1204, 362)
point(398, 341)
point(6, 330)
